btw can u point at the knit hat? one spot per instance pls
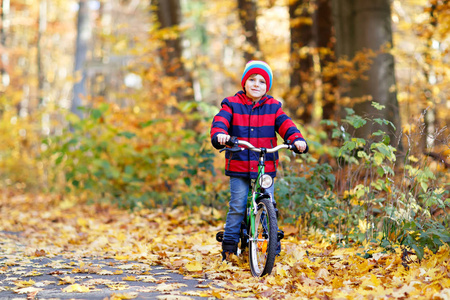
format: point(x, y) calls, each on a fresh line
point(257, 67)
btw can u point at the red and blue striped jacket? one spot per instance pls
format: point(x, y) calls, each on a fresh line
point(256, 123)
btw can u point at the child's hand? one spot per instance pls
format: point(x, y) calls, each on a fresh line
point(223, 138)
point(300, 145)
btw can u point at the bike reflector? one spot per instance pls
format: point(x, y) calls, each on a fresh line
point(265, 181)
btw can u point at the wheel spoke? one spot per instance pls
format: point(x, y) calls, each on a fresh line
point(263, 243)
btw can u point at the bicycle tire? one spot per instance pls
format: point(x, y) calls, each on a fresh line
point(263, 242)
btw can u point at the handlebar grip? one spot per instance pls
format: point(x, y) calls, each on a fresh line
point(233, 141)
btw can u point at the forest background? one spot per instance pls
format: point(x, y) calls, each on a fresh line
point(111, 101)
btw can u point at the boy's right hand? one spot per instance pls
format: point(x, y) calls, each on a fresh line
point(223, 138)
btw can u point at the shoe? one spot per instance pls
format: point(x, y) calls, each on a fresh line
point(280, 236)
point(226, 256)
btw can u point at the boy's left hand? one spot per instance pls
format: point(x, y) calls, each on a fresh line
point(300, 145)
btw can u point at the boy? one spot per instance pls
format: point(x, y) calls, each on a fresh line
point(250, 115)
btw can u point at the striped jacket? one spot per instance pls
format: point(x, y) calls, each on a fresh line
point(256, 123)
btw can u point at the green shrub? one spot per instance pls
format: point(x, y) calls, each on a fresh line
point(103, 159)
point(307, 193)
point(394, 207)
point(374, 197)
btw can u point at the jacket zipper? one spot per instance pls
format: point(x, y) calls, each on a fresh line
point(229, 162)
point(274, 157)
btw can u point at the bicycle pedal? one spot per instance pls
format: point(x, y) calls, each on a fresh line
point(280, 234)
point(219, 236)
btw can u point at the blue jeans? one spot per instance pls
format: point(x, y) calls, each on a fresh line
point(239, 188)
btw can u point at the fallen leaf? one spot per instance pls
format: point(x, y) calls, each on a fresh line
point(169, 287)
point(123, 296)
point(129, 278)
point(173, 297)
point(194, 266)
point(147, 278)
point(23, 283)
point(32, 273)
point(66, 280)
point(27, 290)
point(76, 288)
point(40, 253)
point(118, 286)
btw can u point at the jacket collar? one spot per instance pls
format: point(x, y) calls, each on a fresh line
point(246, 100)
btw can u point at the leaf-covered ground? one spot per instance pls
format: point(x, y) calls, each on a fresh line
point(37, 227)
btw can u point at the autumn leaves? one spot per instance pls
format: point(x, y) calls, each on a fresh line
point(87, 249)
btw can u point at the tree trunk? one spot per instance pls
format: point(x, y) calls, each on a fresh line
point(299, 100)
point(42, 25)
point(169, 16)
point(82, 43)
point(247, 15)
point(430, 111)
point(367, 25)
point(324, 37)
point(4, 19)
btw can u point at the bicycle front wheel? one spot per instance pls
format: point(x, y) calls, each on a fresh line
point(263, 242)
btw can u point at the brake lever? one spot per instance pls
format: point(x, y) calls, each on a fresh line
point(233, 149)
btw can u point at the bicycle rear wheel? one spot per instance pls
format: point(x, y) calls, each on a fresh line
point(263, 242)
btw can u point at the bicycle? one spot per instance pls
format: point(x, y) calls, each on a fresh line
point(259, 230)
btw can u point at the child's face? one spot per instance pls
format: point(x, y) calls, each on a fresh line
point(255, 87)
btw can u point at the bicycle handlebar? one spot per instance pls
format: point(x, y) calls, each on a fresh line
point(268, 150)
point(234, 142)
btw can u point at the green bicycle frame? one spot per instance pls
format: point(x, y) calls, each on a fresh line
point(254, 194)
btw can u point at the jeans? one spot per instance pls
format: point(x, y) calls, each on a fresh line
point(239, 188)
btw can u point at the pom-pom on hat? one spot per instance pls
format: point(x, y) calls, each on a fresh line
point(257, 67)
